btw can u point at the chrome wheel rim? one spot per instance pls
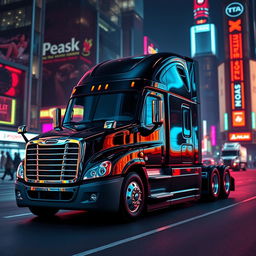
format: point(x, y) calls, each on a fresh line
point(215, 184)
point(227, 182)
point(133, 197)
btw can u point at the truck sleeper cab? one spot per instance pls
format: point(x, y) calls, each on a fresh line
point(129, 142)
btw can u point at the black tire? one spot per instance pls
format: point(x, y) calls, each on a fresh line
point(213, 191)
point(132, 188)
point(43, 212)
point(225, 181)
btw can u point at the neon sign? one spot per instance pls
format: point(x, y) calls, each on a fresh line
point(235, 29)
point(201, 11)
point(14, 136)
point(234, 9)
point(7, 110)
point(238, 118)
point(240, 136)
point(149, 46)
point(47, 113)
point(10, 80)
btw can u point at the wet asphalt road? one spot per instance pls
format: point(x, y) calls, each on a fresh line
point(225, 227)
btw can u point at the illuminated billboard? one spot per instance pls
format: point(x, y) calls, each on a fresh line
point(46, 117)
point(149, 46)
point(240, 136)
point(253, 92)
point(15, 45)
point(11, 95)
point(203, 39)
point(7, 110)
point(68, 52)
point(239, 89)
point(233, 12)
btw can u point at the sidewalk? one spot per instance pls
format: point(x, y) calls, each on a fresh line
point(7, 177)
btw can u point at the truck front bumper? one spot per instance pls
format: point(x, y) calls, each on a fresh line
point(101, 195)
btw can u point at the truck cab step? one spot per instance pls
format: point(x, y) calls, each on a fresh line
point(159, 177)
point(161, 195)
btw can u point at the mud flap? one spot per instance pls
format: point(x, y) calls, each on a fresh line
point(232, 184)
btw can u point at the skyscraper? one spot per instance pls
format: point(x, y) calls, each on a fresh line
point(95, 31)
point(21, 27)
point(203, 49)
point(237, 74)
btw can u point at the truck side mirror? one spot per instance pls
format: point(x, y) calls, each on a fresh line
point(22, 130)
point(157, 112)
point(57, 118)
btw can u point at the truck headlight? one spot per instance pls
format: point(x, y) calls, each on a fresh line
point(20, 171)
point(98, 171)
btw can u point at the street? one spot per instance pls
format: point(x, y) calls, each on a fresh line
point(225, 227)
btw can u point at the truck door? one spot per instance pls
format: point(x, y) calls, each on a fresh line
point(187, 149)
point(154, 138)
point(185, 176)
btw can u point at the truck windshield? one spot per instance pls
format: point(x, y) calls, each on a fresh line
point(230, 153)
point(87, 110)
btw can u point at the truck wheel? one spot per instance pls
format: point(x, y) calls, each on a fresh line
point(225, 183)
point(213, 183)
point(132, 202)
point(43, 212)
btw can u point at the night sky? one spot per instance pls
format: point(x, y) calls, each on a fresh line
point(167, 22)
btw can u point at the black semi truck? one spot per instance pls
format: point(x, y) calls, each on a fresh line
point(129, 142)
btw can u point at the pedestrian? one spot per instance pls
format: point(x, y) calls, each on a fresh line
point(8, 166)
point(2, 160)
point(16, 161)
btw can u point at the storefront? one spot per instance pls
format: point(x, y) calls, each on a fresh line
point(13, 142)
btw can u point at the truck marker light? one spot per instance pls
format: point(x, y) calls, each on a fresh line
point(132, 84)
point(106, 86)
point(99, 87)
point(92, 88)
point(141, 154)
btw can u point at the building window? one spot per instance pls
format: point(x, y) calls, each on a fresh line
point(15, 18)
point(5, 2)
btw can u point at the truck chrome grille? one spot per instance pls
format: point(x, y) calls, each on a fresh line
point(52, 163)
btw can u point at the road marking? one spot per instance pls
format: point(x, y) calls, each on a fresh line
point(17, 215)
point(157, 230)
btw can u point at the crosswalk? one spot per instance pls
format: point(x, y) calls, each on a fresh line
point(7, 192)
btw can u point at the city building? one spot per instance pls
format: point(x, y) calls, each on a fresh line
point(237, 75)
point(43, 54)
point(203, 49)
point(95, 31)
point(132, 27)
point(21, 27)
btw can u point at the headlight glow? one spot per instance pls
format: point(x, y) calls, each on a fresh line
point(98, 171)
point(20, 171)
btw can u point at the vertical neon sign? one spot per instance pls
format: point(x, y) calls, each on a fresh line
point(201, 11)
point(236, 62)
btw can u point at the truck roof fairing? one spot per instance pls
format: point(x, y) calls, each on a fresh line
point(146, 67)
